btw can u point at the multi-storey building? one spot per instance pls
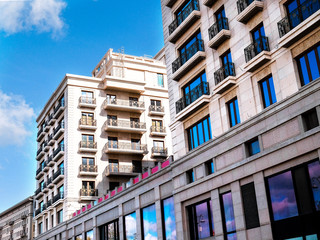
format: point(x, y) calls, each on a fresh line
point(95, 133)
point(16, 222)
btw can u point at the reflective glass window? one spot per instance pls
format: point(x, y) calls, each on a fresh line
point(149, 222)
point(169, 219)
point(130, 226)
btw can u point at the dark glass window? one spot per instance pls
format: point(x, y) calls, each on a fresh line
point(234, 114)
point(190, 176)
point(192, 88)
point(268, 92)
point(130, 225)
point(40, 230)
point(209, 167)
point(253, 146)
point(199, 133)
point(169, 220)
point(183, 50)
point(258, 37)
point(149, 222)
point(310, 119)
point(110, 231)
point(314, 173)
point(60, 216)
point(229, 225)
point(309, 65)
point(185, 10)
point(250, 206)
point(160, 80)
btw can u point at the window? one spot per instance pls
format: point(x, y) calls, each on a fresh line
point(227, 64)
point(185, 10)
point(157, 126)
point(259, 39)
point(112, 142)
point(41, 185)
point(40, 230)
point(78, 237)
point(209, 167)
point(52, 222)
point(229, 225)
point(156, 103)
point(201, 220)
point(111, 99)
point(190, 176)
point(89, 235)
point(135, 144)
point(112, 120)
point(87, 161)
point(113, 165)
point(195, 89)
point(41, 206)
point(130, 226)
point(87, 119)
point(169, 220)
point(158, 144)
point(87, 141)
point(185, 52)
point(136, 166)
point(61, 101)
point(310, 119)
point(87, 97)
point(199, 133)
point(221, 19)
point(61, 145)
point(160, 80)
point(309, 65)
point(60, 216)
point(133, 101)
point(149, 221)
point(268, 93)
point(253, 147)
point(110, 231)
point(233, 109)
point(250, 206)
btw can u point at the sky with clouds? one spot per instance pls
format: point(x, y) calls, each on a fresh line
point(41, 41)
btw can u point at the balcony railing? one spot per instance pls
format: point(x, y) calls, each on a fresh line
point(59, 172)
point(88, 122)
point(126, 146)
point(88, 144)
point(127, 103)
point(190, 51)
point(49, 203)
point(57, 197)
point(126, 124)
point(88, 192)
point(60, 126)
point(193, 5)
point(224, 72)
point(154, 108)
point(159, 150)
point(88, 168)
point(158, 129)
point(37, 212)
point(193, 95)
point(87, 100)
point(221, 24)
point(259, 45)
point(114, 168)
point(59, 149)
point(297, 16)
point(243, 4)
point(38, 191)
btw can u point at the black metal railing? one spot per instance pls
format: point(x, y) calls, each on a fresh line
point(57, 197)
point(60, 126)
point(126, 146)
point(243, 4)
point(87, 100)
point(224, 72)
point(221, 24)
point(88, 192)
point(188, 9)
point(44, 207)
point(59, 172)
point(126, 124)
point(37, 191)
point(259, 45)
point(297, 16)
point(193, 95)
point(49, 203)
point(121, 102)
point(88, 144)
point(88, 168)
point(185, 56)
point(37, 212)
point(159, 129)
point(160, 150)
point(59, 149)
point(88, 122)
point(154, 108)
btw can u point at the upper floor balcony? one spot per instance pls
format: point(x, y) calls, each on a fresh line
point(50, 161)
point(87, 102)
point(188, 16)
point(46, 126)
point(59, 109)
point(58, 199)
point(218, 33)
point(58, 131)
point(88, 194)
point(41, 133)
point(247, 9)
point(169, 3)
point(159, 152)
point(192, 101)
point(124, 105)
point(156, 110)
point(188, 59)
point(125, 126)
point(51, 140)
point(39, 172)
point(257, 54)
point(125, 148)
point(58, 175)
point(39, 192)
point(299, 22)
point(88, 146)
point(46, 147)
point(58, 153)
point(40, 152)
point(87, 124)
point(88, 170)
point(51, 119)
point(224, 78)
point(122, 170)
point(209, 3)
point(158, 131)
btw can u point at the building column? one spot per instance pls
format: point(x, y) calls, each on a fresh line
point(179, 219)
point(36, 228)
point(121, 223)
point(138, 216)
point(158, 212)
point(54, 217)
point(83, 231)
point(216, 212)
point(95, 230)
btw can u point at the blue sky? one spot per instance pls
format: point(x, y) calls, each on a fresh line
point(41, 41)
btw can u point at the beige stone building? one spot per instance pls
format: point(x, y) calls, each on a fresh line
point(16, 222)
point(95, 133)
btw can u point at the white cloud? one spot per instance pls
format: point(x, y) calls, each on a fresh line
point(150, 237)
point(39, 15)
point(16, 117)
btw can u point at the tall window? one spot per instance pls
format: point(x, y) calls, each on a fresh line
point(160, 80)
point(195, 89)
point(111, 99)
point(228, 216)
point(113, 165)
point(149, 222)
point(89, 235)
point(250, 206)
point(227, 64)
point(185, 56)
point(156, 103)
point(169, 219)
point(309, 65)
point(268, 92)
point(157, 125)
point(87, 119)
point(199, 133)
point(40, 230)
point(61, 101)
point(258, 37)
point(209, 167)
point(61, 145)
point(60, 216)
point(130, 225)
point(190, 176)
point(220, 17)
point(185, 10)
point(234, 114)
point(110, 231)
point(112, 142)
point(87, 97)
point(61, 191)
point(87, 161)
point(112, 120)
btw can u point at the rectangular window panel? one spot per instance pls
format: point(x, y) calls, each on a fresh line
point(309, 66)
point(199, 133)
point(268, 92)
point(250, 206)
point(169, 219)
point(89, 235)
point(149, 222)
point(131, 226)
point(79, 237)
point(314, 173)
point(234, 114)
point(228, 214)
point(253, 147)
point(314, 69)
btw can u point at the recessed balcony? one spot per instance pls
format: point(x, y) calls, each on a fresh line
point(58, 153)
point(218, 33)
point(58, 131)
point(88, 170)
point(51, 119)
point(40, 153)
point(88, 146)
point(45, 166)
point(191, 102)
point(50, 183)
point(224, 78)
point(169, 3)
point(87, 124)
point(50, 161)
point(122, 170)
point(124, 84)
point(58, 109)
point(188, 16)
point(187, 60)
point(40, 134)
point(58, 176)
point(46, 146)
point(209, 3)
point(247, 9)
point(88, 194)
point(87, 102)
point(159, 152)
point(45, 187)
point(125, 148)
point(125, 126)
point(124, 105)
point(257, 54)
point(158, 131)
point(156, 110)
point(47, 127)
point(51, 140)
point(301, 21)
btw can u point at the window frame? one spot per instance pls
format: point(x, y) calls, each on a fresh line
point(235, 112)
point(191, 136)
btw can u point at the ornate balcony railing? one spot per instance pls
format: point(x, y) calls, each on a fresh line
point(224, 72)
point(59, 149)
point(190, 51)
point(127, 103)
point(297, 16)
point(126, 124)
point(88, 168)
point(158, 129)
point(221, 24)
point(259, 45)
point(155, 108)
point(59, 172)
point(126, 146)
point(193, 5)
point(88, 122)
point(87, 100)
point(88, 192)
point(115, 168)
point(193, 95)
point(243, 4)
point(88, 144)
point(57, 197)
point(159, 150)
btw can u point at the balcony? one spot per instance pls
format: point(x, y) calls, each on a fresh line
point(124, 84)
point(57, 199)
point(51, 119)
point(257, 54)
point(125, 148)
point(158, 131)
point(301, 21)
point(122, 170)
point(156, 110)
point(40, 134)
point(187, 60)
point(125, 126)
point(87, 102)
point(87, 124)
point(50, 161)
point(209, 3)
point(58, 153)
point(49, 203)
point(46, 146)
point(50, 183)
point(46, 127)
point(191, 102)
point(218, 33)
point(40, 153)
point(87, 146)
point(224, 78)
point(58, 131)
point(189, 15)
point(124, 105)
point(51, 140)
point(45, 166)
point(88, 170)
point(39, 173)
point(37, 212)
point(88, 194)
point(247, 9)
point(159, 152)
point(58, 176)
point(38, 193)
point(45, 187)
point(169, 3)
point(58, 109)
